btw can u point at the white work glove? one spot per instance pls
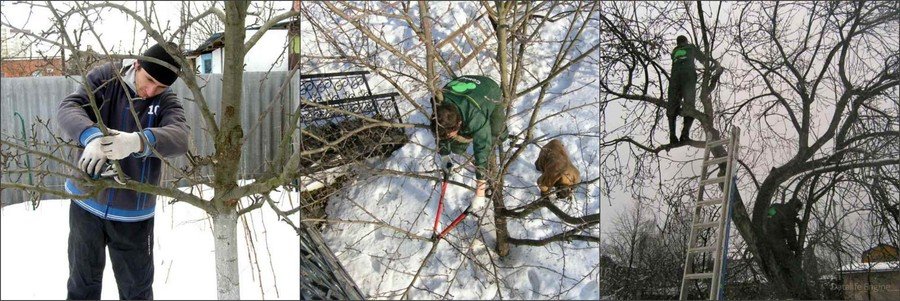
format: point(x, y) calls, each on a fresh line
point(443, 162)
point(119, 145)
point(92, 158)
point(478, 204)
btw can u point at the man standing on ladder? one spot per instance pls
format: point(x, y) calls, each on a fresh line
point(683, 84)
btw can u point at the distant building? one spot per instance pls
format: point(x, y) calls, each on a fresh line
point(88, 60)
point(276, 50)
point(881, 253)
point(20, 60)
point(14, 45)
point(876, 277)
point(27, 67)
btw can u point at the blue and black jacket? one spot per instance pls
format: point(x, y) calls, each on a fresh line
point(164, 127)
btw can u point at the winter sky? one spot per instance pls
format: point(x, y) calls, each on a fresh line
point(116, 29)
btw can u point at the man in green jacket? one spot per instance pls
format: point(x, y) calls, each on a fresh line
point(683, 84)
point(471, 113)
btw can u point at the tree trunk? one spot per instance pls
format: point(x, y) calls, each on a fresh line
point(784, 274)
point(785, 280)
point(225, 238)
point(786, 277)
point(500, 215)
point(229, 139)
point(228, 153)
point(500, 220)
point(497, 197)
point(430, 53)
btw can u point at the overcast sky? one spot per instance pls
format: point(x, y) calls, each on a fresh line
point(117, 30)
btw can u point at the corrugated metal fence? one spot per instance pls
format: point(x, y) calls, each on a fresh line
point(38, 97)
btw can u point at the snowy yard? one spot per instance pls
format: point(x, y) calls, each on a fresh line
point(382, 260)
point(385, 219)
point(379, 221)
point(35, 266)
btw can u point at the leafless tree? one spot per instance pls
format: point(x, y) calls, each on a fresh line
point(501, 36)
point(219, 169)
point(202, 28)
point(814, 85)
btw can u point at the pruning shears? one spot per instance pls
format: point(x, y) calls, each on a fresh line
point(109, 171)
point(437, 218)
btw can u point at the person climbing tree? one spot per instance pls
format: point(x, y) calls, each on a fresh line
point(682, 85)
point(781, 225)
point(781, 229)
point(470, 112)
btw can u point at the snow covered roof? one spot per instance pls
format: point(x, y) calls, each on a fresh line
point(862, 267)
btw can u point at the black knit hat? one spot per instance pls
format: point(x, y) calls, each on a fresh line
point(162, 74)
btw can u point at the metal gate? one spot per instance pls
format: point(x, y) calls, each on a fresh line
point(321, 274)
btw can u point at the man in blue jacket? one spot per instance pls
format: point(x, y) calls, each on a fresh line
point(121, 219)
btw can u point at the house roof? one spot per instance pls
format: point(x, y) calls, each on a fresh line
point(280, 25)
point(863, 267)
point(880, 246)
point(216, 40)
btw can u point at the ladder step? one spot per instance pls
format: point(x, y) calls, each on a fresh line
point(706, 225)
point(699, 276)
point(716, 161)
point(715, 201)
point(713, 181)
point(717, 143)
point(710, 248)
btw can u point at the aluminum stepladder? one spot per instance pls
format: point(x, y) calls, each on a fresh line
point(720, 218)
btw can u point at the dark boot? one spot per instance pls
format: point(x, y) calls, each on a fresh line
point(672, 138)
point(686, 129)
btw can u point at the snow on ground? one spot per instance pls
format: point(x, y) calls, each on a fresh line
point(383, 260)
point(865, 267)
point(35, 266)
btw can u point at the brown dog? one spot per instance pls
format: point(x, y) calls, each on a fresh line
point(557, 170)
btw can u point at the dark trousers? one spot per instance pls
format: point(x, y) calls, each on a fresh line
point(682, 94)
point(130, 250)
